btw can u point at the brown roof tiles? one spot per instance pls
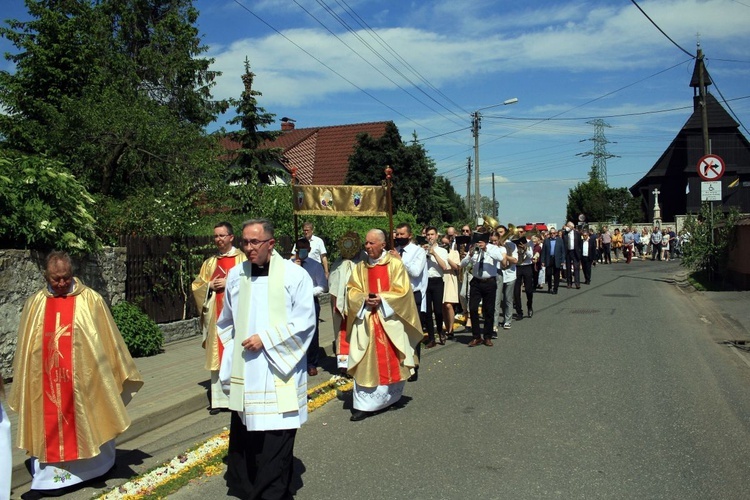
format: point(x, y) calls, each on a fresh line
point(321, 154)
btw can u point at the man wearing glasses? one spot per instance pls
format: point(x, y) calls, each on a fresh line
point(208, 292)
point(318, 250)
point(553, 257)
point(266, 327)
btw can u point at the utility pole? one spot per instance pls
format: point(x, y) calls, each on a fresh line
point(494, 211)
point(468, 184)
point(476, 124)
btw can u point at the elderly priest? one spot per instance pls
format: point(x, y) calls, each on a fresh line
point(72, 377)
point(384, 328)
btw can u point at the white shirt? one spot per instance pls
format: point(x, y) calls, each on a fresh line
point(509, 273)
point(433, 268)
point(525, 259)
point(490, 257)
point(318, 275)
point(414, 260)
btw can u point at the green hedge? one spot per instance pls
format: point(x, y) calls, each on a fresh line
point(141, 334)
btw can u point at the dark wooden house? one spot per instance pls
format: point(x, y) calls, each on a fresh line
point(675, 173)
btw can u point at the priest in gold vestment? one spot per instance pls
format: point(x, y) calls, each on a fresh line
point(208, 292)
point(72, 377)
point(384, 328)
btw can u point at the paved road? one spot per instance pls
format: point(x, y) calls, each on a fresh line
point(622, 389)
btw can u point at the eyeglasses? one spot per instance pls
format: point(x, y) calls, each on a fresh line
point(254, 243)
point(466, 230)
point(221, 235)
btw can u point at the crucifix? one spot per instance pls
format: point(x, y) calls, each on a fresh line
point(656, 197)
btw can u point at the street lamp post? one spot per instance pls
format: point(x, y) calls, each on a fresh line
point(476, 124)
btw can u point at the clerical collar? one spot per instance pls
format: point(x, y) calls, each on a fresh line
point(259, 270)
point(230, 252)
point(375, 261)
point(70, 290)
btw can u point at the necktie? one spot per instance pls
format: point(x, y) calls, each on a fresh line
point(401, 251)
point(480, 265)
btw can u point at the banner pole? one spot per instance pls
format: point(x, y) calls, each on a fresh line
point(294, 212)
point(388, 187)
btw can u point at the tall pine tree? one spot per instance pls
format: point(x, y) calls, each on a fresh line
point(253, 163)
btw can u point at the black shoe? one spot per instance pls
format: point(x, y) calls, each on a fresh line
point(531, 313)
point(519, 317)
point(36, 494)
point(358, 415)
point(414, 377)
point(214, 411)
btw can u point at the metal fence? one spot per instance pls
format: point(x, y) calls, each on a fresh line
point(160, 270)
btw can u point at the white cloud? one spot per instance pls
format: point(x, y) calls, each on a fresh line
point(600, 38)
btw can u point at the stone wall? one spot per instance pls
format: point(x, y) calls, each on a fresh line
point(21, 277)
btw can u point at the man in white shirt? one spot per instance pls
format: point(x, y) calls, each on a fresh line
point(572, 241)
point(414, 259)
point(320, 286)
point(437, 263)
point(317, 246)
point(484, 258)
point(509, 275)
point(266, 326)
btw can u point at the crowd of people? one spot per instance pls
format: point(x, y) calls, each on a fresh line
point(391, 297)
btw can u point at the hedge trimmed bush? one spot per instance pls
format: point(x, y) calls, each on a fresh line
point(141, 334)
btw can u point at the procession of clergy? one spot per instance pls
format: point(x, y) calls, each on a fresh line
point(73, 374)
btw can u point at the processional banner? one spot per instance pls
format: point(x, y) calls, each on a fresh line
point(367, 201)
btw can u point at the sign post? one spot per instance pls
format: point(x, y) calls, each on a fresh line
point(711, 168)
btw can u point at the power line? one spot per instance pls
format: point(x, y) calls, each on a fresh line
point(333, 14)
point(354, 33)
point(393, 51)
point(368, 94)
point(661, 30)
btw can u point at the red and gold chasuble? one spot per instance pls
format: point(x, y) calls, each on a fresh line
point(389, 363)
point(223, 265)
point(59, 397)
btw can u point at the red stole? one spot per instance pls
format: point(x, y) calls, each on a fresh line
point(343, 344)
point(59, 399)
point(388, 359)
point(223, 265)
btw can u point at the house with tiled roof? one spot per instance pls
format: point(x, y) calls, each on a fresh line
point(319, 154)
point(675, 173)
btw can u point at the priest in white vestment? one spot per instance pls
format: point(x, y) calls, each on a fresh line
point(384, 328)
point(266, 326)
point(6, 457)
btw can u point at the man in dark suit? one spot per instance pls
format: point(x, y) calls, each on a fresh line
point(588, 255)
point(572, 241)
point(553, 256)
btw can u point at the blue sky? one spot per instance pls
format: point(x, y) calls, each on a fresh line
point(427, 65)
